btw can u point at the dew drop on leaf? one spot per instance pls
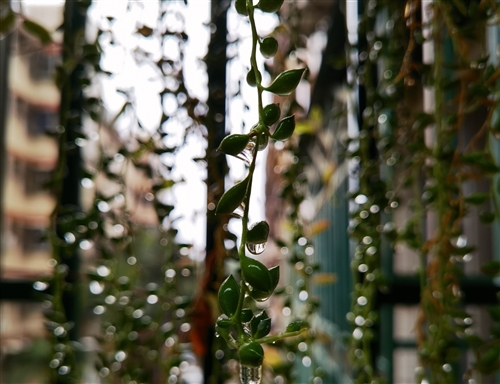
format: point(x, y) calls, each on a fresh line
point(247, 154)
point(256, 249)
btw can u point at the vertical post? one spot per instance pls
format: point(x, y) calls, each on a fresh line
point(216, 166)
point(4, 95)
point(70, 114)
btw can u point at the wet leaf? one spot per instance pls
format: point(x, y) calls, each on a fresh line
point(270, 6)
point(246, 315)
point(38, 31)
point(491, 268)
point(241, 7)
point(258, 233)
point(251, 354)
point(269, 47)
point(284, 129)
point(232, 198)
point(7, 23)
point(260, 325)
point(256, 274)
point(296, 325)
point(228, 296)
point(487, 217)
point(233, 144)
point(223, 322)
point(477, 198)
point(271, 114)
point(286, 82)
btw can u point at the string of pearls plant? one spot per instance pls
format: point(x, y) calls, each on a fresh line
point(243, 329)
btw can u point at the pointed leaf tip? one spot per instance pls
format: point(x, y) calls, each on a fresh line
point(286, 82)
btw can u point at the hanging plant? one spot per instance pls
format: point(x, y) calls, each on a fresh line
point(242, 328)
point(398, 158)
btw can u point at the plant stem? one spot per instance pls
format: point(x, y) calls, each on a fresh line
point(279, 336)
point(253, 56)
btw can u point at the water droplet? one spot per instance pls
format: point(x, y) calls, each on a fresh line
point(357, 333)
point(96, 287)
point(360, 199)
point(99, 310)
point(185, 327)
point(54, 363)
point(461, 241)
point(131, 260)
point(103, 271)
point(247, 154)
point(87, 183)
point(64, 370)
point(81, 143)
point(69, 237)
point(240, 211)
point(367, 240)
point(103, 206)
point(40, 286)
point(306, 361)
point(59, 331)
point(250, 375)
point(359, 321)
point(256, 249)
point(362, 300)
point(137, 313)
point(120, 356)
point(152, 299)
point(363, 268)
point(302, 241)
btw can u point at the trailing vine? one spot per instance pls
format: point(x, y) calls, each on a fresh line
point(239, 325)
point(439, 156)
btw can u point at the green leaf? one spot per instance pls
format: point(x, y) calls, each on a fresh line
point(494, 311)
point(284, 129)
point(241, 7)
point(296, 325)
point(228, 296)
point(251, 354)
point(256, 274)
point(223, 322)
point(271, 114)
point(251, 79)
point(286, 82)
point(7, 23)
point(477, 198)
point(258, 233)
point(491, 268)
point(487, 217)
point(246, 315)
point(270, 6)
point(260, 325)
point(269, 47)
point(38, 31)
point(145, 31)
point(232, 198)
point(275, 276)
point(233, 144)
